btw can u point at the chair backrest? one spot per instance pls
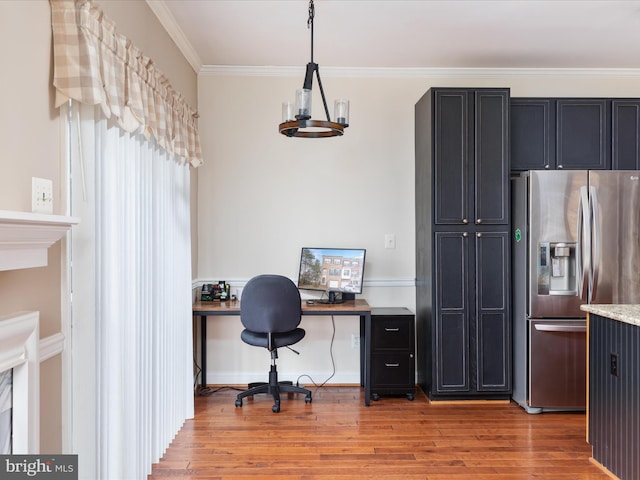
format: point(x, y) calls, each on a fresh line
point(270, 303)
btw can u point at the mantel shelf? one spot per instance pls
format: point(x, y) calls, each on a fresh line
point(25, 237)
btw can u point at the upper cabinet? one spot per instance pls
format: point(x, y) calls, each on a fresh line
point(625, 134)
point(565, 133)
point(533, 139)
point(582, 134)
point(471, 157)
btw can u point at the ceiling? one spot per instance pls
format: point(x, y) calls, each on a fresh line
point(407, 33)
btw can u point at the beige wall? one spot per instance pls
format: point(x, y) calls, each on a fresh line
point(263, 196)
point(30, 139)
point(30, 135)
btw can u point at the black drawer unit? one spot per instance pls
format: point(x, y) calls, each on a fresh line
point(392, 352)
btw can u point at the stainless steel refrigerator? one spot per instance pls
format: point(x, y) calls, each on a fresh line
point(575, 240)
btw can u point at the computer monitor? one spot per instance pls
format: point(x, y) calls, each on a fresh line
point(337, 271)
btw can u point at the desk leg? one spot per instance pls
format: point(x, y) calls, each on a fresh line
point(367, 358)
point(362, 355)
point(203, 351)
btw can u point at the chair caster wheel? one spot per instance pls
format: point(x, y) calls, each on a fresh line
point(375, 397)
point(275, 408)
point(410, 397)
point(307, 399)
point(239, 402)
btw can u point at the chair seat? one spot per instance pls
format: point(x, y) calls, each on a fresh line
point(279, 339)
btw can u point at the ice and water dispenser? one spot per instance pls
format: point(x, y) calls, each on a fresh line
point(557, 268)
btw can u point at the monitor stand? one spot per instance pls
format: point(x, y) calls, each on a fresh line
point(337, 298)
point(333, 299)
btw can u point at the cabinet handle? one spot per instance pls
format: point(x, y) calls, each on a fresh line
point(391, 364)
point(465, 234)
point(386, 329)
point(479, 221)
point(547, 167)
point(479, 234)
point(560, 328)
point(560, 167)
point(465, 221)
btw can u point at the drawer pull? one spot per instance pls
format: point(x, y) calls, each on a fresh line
point(391, 364)
point(387, 329)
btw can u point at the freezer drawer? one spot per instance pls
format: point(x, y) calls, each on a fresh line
point(557, 364)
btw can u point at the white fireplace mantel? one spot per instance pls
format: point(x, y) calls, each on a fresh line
point(25, 237)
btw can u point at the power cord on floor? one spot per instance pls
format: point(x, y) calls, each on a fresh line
point(333, 361)
point(198, 370)
point(205, 391)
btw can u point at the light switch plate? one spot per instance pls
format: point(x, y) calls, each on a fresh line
point(41, 195)
point(390, 240)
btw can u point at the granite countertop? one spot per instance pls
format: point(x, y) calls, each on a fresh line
point(623, 313)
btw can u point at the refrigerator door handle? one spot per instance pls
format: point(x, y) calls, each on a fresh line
point(595, 255)
point(583, 245)
point(543, 327)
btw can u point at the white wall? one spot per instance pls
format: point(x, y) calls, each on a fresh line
point(263, 196)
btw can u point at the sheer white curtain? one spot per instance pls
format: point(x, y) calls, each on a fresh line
point(131, 275)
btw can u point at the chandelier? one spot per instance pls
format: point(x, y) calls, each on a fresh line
point(296, 119)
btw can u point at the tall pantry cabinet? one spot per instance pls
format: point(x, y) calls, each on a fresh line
point(462, 243)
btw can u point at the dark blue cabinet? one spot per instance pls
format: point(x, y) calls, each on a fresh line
point(614, 407)
point(533, 140)
point(462, 250)
point(583, 134)
point(471, 155)
point(472, 328)
point(560, 133)
point(625, 134)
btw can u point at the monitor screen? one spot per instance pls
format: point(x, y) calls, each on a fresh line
point(332, 270)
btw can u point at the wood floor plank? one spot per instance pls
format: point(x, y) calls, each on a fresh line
point(337, 437)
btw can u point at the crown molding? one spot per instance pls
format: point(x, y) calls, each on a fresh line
point(169, 23)
point(382, 72)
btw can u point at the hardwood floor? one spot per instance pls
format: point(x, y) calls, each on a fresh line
point(337, 437)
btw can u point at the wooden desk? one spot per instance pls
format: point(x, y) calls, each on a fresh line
point(358, 307)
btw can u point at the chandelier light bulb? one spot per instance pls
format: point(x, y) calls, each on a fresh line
point(341, 111)
point(303, 104)
point(288, 114)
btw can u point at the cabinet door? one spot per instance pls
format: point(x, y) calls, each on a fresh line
point(532, 131)
point(451, 336)
point(492, 327)
point(491, 157)
point(625, 134)
point(451, 154)
point(582, 134)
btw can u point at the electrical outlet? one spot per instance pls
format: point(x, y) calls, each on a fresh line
point(355, 340)
point(613, 364)
point(41, 195)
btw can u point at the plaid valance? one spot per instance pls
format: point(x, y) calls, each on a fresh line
point(94, 64)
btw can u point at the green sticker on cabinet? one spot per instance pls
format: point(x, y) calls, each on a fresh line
point(518, 235)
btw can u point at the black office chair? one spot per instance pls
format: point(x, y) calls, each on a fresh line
point(271, 311)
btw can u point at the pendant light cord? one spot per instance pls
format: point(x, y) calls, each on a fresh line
point(312, 13)
point(316, 67)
